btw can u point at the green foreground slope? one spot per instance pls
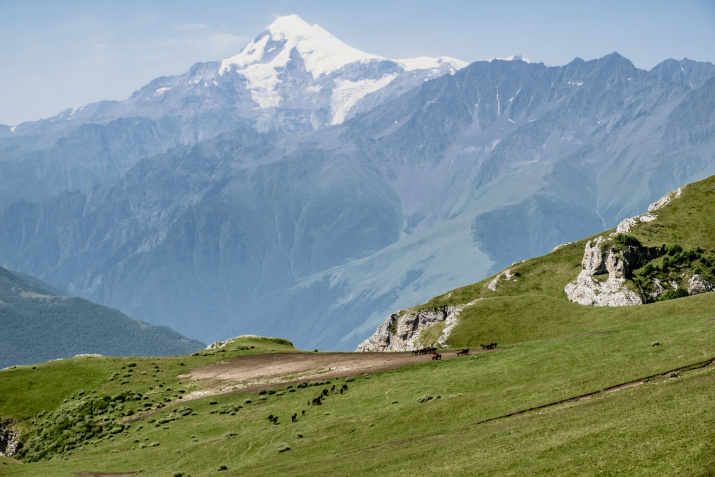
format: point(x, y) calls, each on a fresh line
point(387, 423)
point(571, 390)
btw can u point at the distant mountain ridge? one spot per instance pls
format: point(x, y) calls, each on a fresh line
point(40, 323)
point(292, 77)
point(324, 230)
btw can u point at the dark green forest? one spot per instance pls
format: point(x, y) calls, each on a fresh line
point(39, 323)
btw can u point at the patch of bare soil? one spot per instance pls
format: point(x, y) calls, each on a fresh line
point(264, 371)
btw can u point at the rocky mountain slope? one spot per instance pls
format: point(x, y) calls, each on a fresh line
point(323, 229)
point(664, 254)
point(40, 323)
point(292, 77)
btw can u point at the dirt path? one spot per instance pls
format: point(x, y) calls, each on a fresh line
point(264, 371)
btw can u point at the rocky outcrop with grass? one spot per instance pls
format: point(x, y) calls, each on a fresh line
point(9, 440)
point(401, 330)
point(618, 270)
point(606, 264)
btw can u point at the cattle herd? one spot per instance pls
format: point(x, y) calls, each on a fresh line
point(317, 401)
point(314, 402)
point(435, 355)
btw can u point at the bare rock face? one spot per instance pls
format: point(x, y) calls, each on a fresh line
point(9, 441)
point(665, 199)
point(698, 285)
point(593, 263)
point(626, 224)
point(400, 331)
point(600, 258)
point(505, 275)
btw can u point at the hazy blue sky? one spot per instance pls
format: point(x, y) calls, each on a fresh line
point(60, 54)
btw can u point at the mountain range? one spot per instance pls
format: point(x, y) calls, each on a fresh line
point(40, 323)
point(305, 189)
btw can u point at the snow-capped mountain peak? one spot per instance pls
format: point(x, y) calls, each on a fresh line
point(292, 63)
point(320, 51)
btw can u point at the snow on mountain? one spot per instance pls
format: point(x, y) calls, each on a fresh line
point(321, 52)
point(514, 58)
point(293, 77)
point(290, 46)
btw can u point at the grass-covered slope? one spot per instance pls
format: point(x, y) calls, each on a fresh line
point(531, 302)
point(571, 390)
point(447, 417)
point(39, 323)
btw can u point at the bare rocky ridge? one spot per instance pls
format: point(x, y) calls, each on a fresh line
point(401, 331)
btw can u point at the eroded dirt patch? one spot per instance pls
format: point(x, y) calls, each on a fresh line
point(263, 371)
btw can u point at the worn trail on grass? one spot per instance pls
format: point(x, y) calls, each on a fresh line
point(617, 387)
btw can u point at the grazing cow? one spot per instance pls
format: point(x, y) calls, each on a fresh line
point(436, 356)
point(344, 388)
point(292, 418)
point(332, 389)
point(275, 419)
point(270, 418)
point(303, 412)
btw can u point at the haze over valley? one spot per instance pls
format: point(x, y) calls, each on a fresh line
point(305, 189)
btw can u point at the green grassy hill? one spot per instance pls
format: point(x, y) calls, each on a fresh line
point(532, 303)
point(40, 323)
point(571, 390)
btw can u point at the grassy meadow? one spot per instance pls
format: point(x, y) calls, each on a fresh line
point(548, 401)
point(426, 418)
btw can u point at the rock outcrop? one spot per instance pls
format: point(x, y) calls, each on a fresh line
point(401, 330)
point(626, 224)
point(601, 257)
point(698, 285)
point(665, 199)
point(9, 441)
point(505, 275)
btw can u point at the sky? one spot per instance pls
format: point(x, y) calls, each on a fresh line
point(62, 54)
